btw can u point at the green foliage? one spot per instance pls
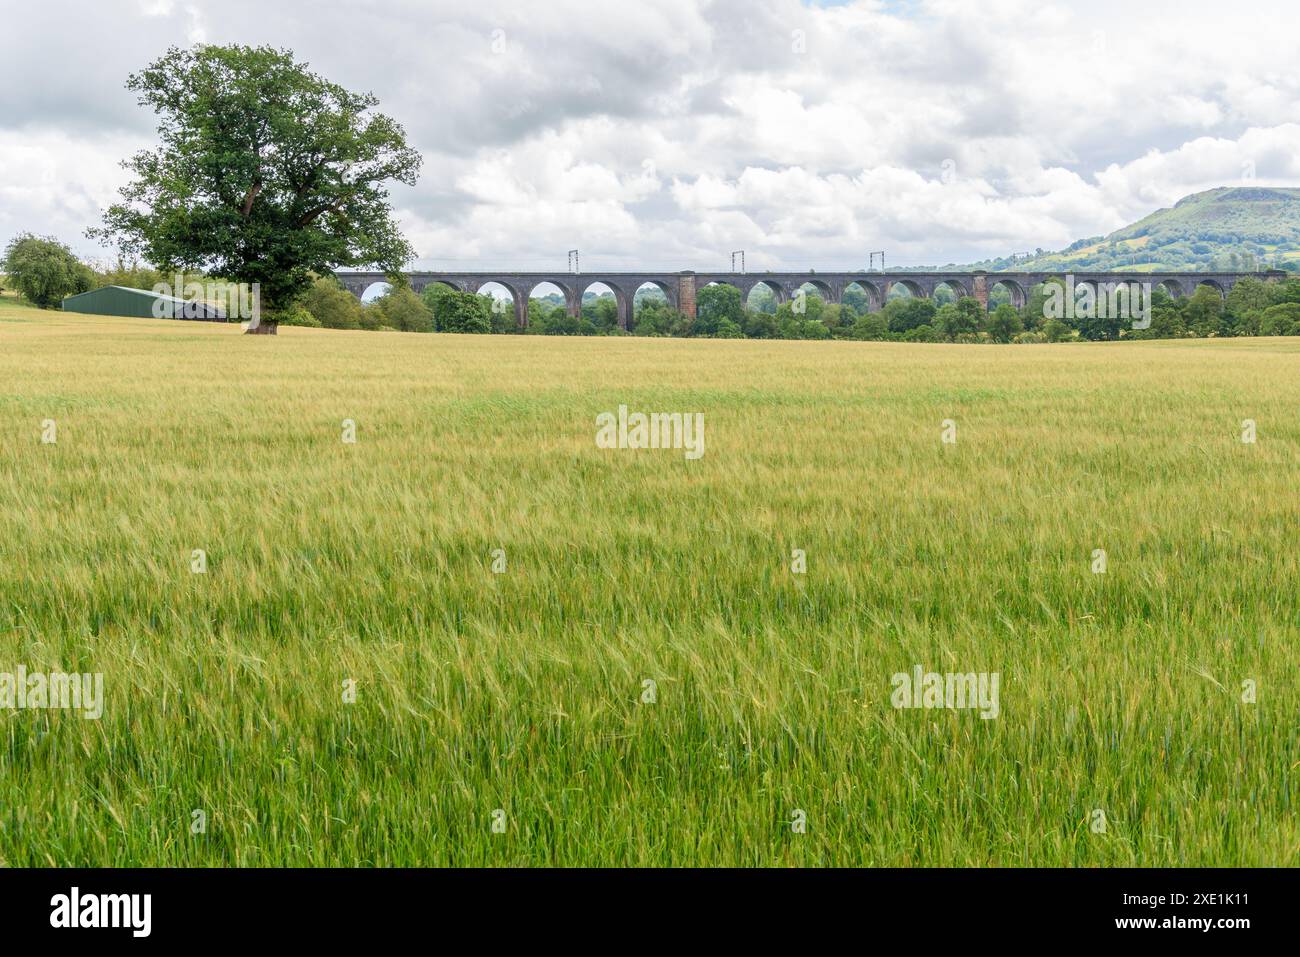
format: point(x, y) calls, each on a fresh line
point(1203, 313)
point(539, 311)
point(403, 310)
point(1166, 323)
point(907, 313)
point(971, 315)
point(299, 315)
point(501, 316)
point(834, 318)
point(946, 320)
point(958, 321)
point(267, 173)
point(1054, 330)
point(716, 304)
point(870, 326)
point(761, 298)
point(44, 270)
point(1099, 328)
point(602, 313)
point(1288, 291)
point(805, 324)
point(796, 328)
point(727, 329)
point(1249, 295)
point(1280, 320)
point(1003, 324)
point(554, 320)
point(814, 307)
point(561, 323)
point(654, 317)
point(760, 325)
point(134, 275)
point(1036, 308)
point(454, 311)
point(332, 305)
point(856, 301)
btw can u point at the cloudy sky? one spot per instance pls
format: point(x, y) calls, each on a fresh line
point(668, 133)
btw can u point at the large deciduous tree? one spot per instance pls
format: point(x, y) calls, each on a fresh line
point(715, 303)
point(44, 270)
point(456, 311)
point(1003, 323)
point(266, 173)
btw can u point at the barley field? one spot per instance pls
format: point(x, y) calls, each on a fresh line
point(350, 681)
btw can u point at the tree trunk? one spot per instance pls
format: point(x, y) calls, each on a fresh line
point(263, 328)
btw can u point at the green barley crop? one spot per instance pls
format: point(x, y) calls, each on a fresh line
point(647, 682)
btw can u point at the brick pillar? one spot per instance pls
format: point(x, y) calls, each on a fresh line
point(980, 284)
point(624, 303)
point(521, 309)
point(686, 294)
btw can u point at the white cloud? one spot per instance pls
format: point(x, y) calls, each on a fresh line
point(54, 183)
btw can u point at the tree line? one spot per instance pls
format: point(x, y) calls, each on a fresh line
point(44, 271)
point(1253, 307)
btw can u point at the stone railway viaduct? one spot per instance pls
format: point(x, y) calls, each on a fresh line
point(681, 288)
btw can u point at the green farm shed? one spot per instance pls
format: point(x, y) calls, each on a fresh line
point(141, 304)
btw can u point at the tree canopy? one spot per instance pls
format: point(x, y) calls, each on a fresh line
point(44, 270)
point(266, 173)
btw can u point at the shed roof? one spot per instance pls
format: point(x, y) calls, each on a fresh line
point(142, 303)
point(139, 292)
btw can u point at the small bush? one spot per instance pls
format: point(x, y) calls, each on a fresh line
point(297, 316)
point(332, 305)
point(403, 310)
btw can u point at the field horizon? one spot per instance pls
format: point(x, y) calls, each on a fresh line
point(647, 681)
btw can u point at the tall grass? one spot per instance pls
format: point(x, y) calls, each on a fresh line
point(523, 692)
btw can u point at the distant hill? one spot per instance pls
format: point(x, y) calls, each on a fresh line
point(1229, 228)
